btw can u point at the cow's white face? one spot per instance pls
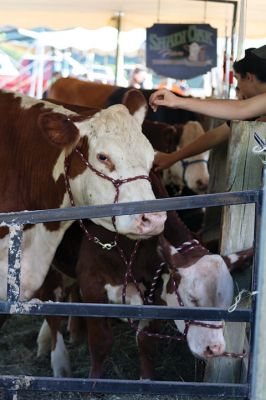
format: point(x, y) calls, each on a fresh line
point(118, 149)
point(194, 175)
point(207, 283)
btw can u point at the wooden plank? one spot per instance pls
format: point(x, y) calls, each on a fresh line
point(217, 182)
point(243, 171)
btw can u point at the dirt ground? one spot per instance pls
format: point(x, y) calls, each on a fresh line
point(18, 356)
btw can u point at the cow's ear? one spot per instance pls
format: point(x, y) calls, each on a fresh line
point(136, 103)
point(59, 129)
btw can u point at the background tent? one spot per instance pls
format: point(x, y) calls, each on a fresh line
point(93, 14)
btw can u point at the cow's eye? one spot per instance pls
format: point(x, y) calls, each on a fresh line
point(102, 157)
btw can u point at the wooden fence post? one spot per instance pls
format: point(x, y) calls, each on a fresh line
point(243, 172)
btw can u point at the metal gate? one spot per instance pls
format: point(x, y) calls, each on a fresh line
point(12, 386)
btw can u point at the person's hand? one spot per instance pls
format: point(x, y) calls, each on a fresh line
point(163, 160)
point(163, 97)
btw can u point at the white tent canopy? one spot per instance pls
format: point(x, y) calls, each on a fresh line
point(92, 14)
point(102, 39)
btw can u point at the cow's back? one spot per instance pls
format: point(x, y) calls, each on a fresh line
point(93, 94)
point(82, 93)
point(27, 157)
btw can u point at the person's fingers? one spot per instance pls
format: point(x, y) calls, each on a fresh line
point(158, 95)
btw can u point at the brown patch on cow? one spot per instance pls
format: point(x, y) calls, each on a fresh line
point(243, 261)
point(3, 231)
point(59, 129)
point(179, 259)
point(133, 99)
point(162, 136)
point(27, 181)
point(174, 282)
point(77, 166)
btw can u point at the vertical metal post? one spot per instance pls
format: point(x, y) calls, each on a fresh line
point(14, 256)
point(258, 370)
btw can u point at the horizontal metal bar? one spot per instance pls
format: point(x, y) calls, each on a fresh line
point(123, 311)
point(173, 203)
point(30, 383)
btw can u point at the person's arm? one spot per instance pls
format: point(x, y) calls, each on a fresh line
point(225, 109)
point(201, 144)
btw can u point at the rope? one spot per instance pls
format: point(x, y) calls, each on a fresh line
point(244, 294)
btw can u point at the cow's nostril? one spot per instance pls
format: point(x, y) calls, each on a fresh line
point(208, 351)
point(201, 184)
point(144, 218)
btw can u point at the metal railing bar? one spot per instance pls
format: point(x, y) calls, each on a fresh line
point(259, 228)
point(14, 255)
point(173, 203)
point(123, 386)
point(122, 311)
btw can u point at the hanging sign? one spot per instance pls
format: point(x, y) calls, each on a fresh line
point(181, 51)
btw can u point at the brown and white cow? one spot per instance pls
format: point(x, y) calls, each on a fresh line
point(191, 172)
point(202, 279)
point(37, 138)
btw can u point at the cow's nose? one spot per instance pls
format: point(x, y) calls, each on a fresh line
point(202, 184)
point(151, 223)
point(214, 350)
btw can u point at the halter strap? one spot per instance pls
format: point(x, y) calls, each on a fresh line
point(116, 182)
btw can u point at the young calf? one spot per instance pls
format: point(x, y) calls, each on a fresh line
point(193, 278)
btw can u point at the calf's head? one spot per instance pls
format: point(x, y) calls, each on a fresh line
point(192, 171)
point(114, 145)
point(205, 282)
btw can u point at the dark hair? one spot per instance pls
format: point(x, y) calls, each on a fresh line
point(251, 63)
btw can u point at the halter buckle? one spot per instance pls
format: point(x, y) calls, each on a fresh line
point(105, 246)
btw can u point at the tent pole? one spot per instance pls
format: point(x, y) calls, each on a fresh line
point(118, 18)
